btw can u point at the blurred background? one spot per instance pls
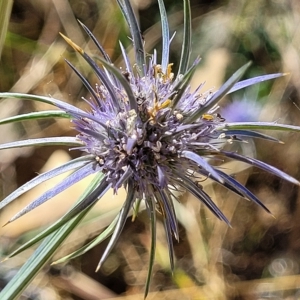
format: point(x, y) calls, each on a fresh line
point(259, 257)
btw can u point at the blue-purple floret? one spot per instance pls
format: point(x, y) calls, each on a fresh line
point(151, 142)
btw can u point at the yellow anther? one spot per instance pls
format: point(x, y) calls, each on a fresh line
point(165, 104)
point(158, 73)
point(169, 74)
point(156, 107)
point(207, 117)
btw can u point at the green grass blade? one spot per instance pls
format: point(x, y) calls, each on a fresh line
point(64, 141)
point(248, 82)
point(99, 239)
point(122, 80)
point(165, 36)
point(69, 166)
point(77, 209)
point(257, 126)
point(135, 31)
point(152, 215)
point(187, 38)
point(43, 253)
point(75, 176)
point(122, 217)
point(43, 99)
point(249, 134)
point(36, 115)
point(260, 164)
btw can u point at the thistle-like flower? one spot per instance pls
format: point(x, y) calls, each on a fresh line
point(146, 131)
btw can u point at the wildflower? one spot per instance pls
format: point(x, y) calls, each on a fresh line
point(145, 130)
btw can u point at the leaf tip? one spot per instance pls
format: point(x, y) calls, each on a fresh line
point(6, 223)
point(146, 294)
point(176, 236)
point(72, 44)
point(98, 267)
point(295, 181)
point(5, 259)
point(79, 22)
point(249, 63)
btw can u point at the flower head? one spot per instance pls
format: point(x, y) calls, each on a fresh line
point(147, 131)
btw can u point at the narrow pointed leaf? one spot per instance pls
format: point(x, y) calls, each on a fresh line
point(36, 115)
point(167, 206)
point(248, 82)
point(126, 59)
point(136, 208)
point(90, 200)
point(165, 36)
point(152, 215)
point(243, 190)
point(217, 96)
point(257, 126)
point(81, 114)
point(197, 191)
point(85, 83)
point(52, 141)
point(168, 232)
point(123, 81)
point(71, 165)
point(187, 38)
point(202, 163)
point(42, 254)
point(169, 222)
point(98, 188)
point(261, 165)
point(120, 223)
point(63, 185)
point(100, 48)
point(135, 31)
point(100, 73)
point(123, 10)
point(96, 241)
point(228, 186)
point(251, 134)
point(43, 99)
